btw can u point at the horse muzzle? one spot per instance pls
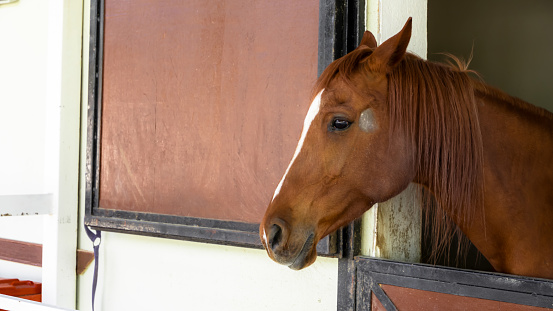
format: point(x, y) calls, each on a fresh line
point(295, 250)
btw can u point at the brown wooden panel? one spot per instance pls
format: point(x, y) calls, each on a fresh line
point(203, 102)
point(84, 259)
point(416, 299)
point(21, 252)
point(376, 305)
point(31, 254)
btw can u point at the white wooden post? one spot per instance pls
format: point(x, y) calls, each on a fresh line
point(392, 229)
point(63, 118)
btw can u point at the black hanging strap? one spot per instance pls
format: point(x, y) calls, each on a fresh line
point(96, 239)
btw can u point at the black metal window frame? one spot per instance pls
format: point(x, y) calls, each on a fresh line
point(341, 25)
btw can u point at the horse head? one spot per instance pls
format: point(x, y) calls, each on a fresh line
point(346, 159)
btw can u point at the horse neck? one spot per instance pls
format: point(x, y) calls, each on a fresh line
point(518, 144)
point(518, 174)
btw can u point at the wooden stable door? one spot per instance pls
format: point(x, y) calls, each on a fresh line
point(203, 103)
point(390, 286)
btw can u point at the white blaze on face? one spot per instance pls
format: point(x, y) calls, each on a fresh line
point(265, 238)
point(311, 114)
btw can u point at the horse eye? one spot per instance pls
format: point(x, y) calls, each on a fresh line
point(339, 124)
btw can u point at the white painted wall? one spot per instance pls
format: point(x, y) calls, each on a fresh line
point(144, 273)
point(23, 72)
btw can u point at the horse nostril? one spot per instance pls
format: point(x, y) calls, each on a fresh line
point(275, 237)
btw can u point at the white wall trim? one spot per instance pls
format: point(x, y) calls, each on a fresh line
point(18, 304)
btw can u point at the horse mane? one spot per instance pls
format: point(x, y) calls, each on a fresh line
point(435, 106)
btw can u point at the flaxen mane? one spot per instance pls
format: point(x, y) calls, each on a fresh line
point(435, 106)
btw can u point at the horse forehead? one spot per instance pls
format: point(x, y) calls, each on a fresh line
point(336, 89)
point(355, 93)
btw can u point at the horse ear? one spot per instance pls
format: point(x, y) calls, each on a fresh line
point(390, 53)
point(368, 40)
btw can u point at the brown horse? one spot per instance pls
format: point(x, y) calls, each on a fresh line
point(383, 118)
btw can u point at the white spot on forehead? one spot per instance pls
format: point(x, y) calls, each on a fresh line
point(367, 122)
point(311, 114)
